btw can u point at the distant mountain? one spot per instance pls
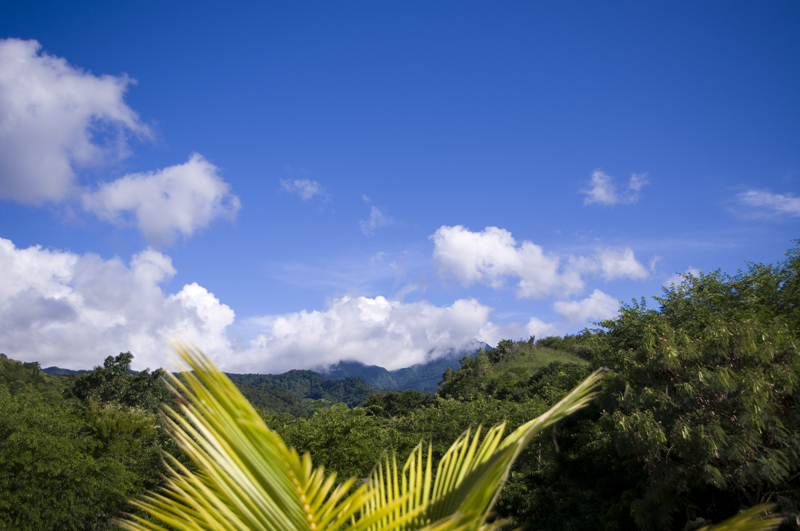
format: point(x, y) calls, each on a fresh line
point(422, 377)
point(58, 371)
point(350, 382)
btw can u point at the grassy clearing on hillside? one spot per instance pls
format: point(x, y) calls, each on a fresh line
point(525, 363)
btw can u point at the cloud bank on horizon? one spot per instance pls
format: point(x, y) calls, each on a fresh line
point(60, 124)
point(64, 309)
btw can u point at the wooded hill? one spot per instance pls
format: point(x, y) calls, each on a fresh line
point(300, 392)
point(698, 419)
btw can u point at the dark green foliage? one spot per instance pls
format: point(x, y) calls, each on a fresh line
point(309, 384)
point(114, 382)
point(710, 410)
point(348, 441)
point(275, 399)
point(507, 371)
point(398, 404)
point(19, 376)
point(66, 464)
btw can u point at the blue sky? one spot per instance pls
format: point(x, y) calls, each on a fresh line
point(288, 184)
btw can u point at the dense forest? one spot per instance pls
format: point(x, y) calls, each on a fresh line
point(698, 418)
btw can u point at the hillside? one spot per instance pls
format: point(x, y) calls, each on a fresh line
point(512, 369)
point(305, 384)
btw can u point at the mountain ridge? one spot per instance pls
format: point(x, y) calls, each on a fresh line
point(421, 376)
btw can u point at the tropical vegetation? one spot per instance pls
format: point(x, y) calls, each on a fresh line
point(697, 421)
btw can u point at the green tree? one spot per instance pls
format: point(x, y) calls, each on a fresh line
point(249, 479)
point(707, 397)
point(58, 471)
point(114, 382)
point(65, 463)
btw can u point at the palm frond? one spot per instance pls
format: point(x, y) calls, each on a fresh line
point(248, 478)
point(469, 475)
point(756, 518)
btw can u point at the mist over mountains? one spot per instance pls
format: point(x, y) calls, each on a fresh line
point(422, 376)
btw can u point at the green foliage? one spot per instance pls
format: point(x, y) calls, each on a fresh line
point(398, 404)
point(114, 382)
point(311, 385)
point(710, 410)
point(66, 463)
point(349, 441)
point(275, 399)
point(18, 377)
point(249, 479)
point(509, 371)
point(65, 467)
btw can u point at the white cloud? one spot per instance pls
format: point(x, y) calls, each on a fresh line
point(620, 263)
point(766, 204)
point(56, 119)
point(539, 329)
point(596, 307)
point(72, 311)
point(305, 188)
point(375, 331)
point(493, 255)
point(53, 118)
point(604, 191)
point(176, 200)
point(377, 219)
point(678, 278)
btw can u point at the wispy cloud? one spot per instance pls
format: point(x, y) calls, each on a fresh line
point(759, 203)
point(377, 219)
point(603, 190)
point(305, 188)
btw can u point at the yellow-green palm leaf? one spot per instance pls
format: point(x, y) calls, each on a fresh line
point(248, 479)
point(470, 474)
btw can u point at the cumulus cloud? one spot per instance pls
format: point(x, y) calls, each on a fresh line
point(766, 204)
point(603, 190)
point(493, 256)
point(377, 219)
point(539, 329)
point(163, 204)
point(70, 310)
point(305, 188)
point(618, 263)
point(55, 117)
point(595, 307)
point(376, 331)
